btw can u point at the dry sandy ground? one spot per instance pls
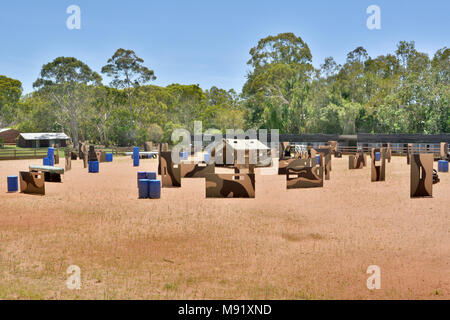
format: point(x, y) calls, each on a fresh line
point(296, 244)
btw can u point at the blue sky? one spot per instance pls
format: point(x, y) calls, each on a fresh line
point(206, 42)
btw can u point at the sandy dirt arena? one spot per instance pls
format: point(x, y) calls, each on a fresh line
point(285, 244)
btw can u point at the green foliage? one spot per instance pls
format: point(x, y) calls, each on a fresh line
point(401, 92)
point(10, 92)
point(65, 81)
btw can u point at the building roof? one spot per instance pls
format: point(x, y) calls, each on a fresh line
point(4, 129)
point(45, 136)
point(242, 144)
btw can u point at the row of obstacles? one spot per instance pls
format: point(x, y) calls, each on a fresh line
point(444, 155)
point(306, 168)
point(303, 169)
point(33, 181)
point(89, 154)
point(240, 184)
point(422, 174)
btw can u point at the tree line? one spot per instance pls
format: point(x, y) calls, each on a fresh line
point(401, 92)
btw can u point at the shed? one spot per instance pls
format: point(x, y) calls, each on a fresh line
point(8, 135)
point(234, 147)
point(43, 140)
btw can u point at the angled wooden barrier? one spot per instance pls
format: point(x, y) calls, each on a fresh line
point(357, 161)
point(230, 185)
point(32, 182)
point(170, 172)
point(378, 168)
point(421, 175)
point(304, 177)
point(196, 170)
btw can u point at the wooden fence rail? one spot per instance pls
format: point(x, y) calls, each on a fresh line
point(395, 150)
point(40, 153)
point(13, 153)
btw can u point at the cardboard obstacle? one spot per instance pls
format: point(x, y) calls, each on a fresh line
point(170, 172)
point(92, 154)
point(68, 160)
point(357, 161)
point(388, 152)
point(282, 146)
point(443, 154)
point(83, 153)
point(51, 173)
point(334, 149)
point(286, 150)
point(326, 152)
point(238, 185)
point(378, 168)
point(421, 179)
point(196, 170)
point(306, 177)
point(409, 150)
point(244, 168)
point(305, 174)
point(148, 146)
point(163, 147)
point(32, 182)
point(284, 165)
point(101, 155)
point(56, 157)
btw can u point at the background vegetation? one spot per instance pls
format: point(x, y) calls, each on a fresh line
point(401, 92)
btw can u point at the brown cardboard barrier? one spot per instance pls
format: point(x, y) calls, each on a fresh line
point(239, 185)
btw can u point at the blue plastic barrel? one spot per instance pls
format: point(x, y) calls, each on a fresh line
point(13, 183)
point(442, 165)
point(184, 155)
point(206, 157)
point(151, 175)
point(318, 159)
point(48, 161)
point(143, 186)
point(155, 189)
point(50, 152)
point(377, 156)
point(136, 156)
point(141, 175)
point(109, 157)
point(93, 166)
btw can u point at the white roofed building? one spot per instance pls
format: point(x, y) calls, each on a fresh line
point(253, 151)
point(43, 140)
